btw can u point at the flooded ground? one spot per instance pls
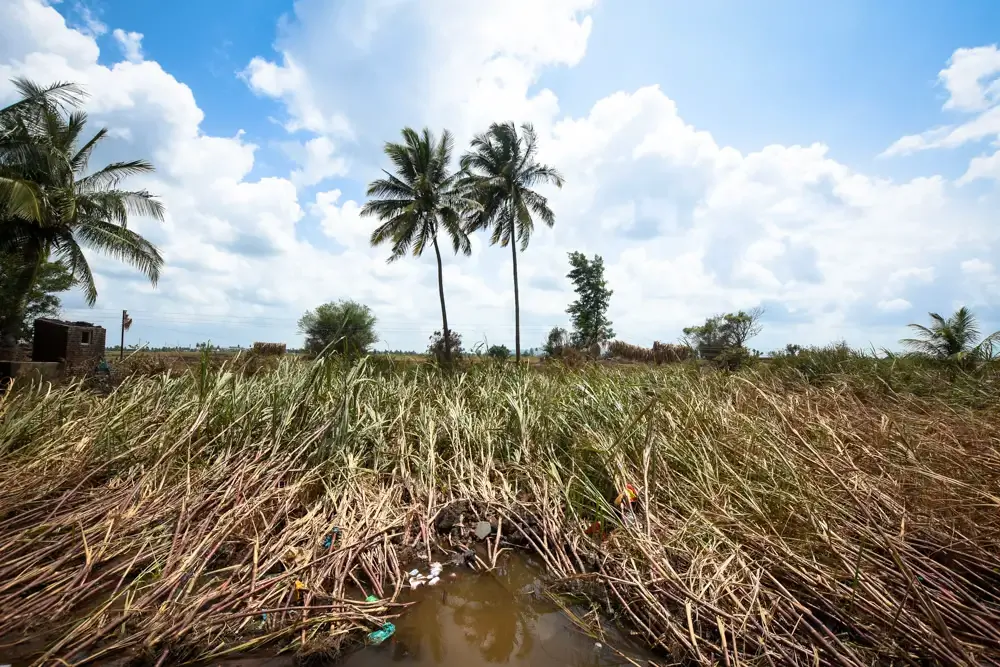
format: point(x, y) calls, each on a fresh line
point(471, 618)
point(496, 618)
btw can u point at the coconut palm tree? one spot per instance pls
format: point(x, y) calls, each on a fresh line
point(954, 338)
point(51, 206)
point(501, 172)
point(420, 199)
point(20, 124)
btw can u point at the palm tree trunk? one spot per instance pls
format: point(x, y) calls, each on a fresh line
point(517, 300)
point(10, 323)
point(444, 311)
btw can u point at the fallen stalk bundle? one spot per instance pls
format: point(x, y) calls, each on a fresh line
point(188, 517)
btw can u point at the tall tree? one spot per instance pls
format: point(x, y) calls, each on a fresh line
point(590, 310)
point(420, 199)
point(52, 205)
point(42, 300)
point(955, 338)
point(502, 173)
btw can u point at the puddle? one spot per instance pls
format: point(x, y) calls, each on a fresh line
point(489, 619)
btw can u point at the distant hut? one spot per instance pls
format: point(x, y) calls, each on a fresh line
point(76, 344)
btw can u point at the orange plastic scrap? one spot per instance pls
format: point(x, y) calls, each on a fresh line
point(630, 493)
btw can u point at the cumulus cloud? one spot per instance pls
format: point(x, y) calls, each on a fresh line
point(972, 79)
point(894, 305)
point(688, 227)
point(130, 43)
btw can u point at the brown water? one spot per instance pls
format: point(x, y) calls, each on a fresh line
point(493, 618)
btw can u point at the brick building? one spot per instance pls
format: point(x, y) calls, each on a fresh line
point(77, 344)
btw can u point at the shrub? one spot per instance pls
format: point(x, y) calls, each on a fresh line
point(436, 346)
point(345, 327)
point(269, 349)
point(498, 352)
point(556, 342)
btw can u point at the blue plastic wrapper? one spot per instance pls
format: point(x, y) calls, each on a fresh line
point(379, 636)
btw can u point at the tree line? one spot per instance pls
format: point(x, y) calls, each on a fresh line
point(53, 205)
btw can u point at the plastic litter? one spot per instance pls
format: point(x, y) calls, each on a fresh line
point(433, 581)
point(483, 528)
point(631, 494)
point(331, 538)
point(383, 633)
point(414, 583)
point(371, 598)
point(414, 573)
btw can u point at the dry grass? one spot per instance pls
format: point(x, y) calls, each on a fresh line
point(780, 521)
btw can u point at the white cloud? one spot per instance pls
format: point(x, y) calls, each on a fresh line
point(687, 226)
point(318, 160)
point(977, 267)
point(982, 167)
point(130, 43)
point(288, 82)
point(972, 79)
point(894, 305)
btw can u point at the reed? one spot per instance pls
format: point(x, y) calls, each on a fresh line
point(781, 519)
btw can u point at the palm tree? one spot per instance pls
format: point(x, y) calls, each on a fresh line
point(501, 172)
point(420, 199)
point(19, 125)
point(953, 338)
point(50, 206)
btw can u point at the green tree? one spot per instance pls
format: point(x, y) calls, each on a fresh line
point(502, 172)
point(555, 342)
point(422, 198)
point(498, 352)
point(724, 332)
point(952, 339)
point(42, 300)
point(346, 327)
point(589, 312)
point(52, 205)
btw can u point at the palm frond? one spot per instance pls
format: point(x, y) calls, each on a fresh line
point(111, 175)
point(69, 252)
point(123, 244)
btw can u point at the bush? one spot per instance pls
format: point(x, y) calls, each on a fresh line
point(498, 352)
point(345, 327)
point(556, 342)
point(269, 349)
point(436, 346)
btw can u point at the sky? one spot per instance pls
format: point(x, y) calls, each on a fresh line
point(837, 163)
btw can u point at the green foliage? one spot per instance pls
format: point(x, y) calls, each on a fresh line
point(437, 348)
point(556, 342)
point(952, 339)
point(721, 332)
point(501, 174)
point(53, 205)
point(42, 300)
point(346, 327)
point(498, 352)
point(589, 312)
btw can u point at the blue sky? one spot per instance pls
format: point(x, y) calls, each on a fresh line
point(719, 155)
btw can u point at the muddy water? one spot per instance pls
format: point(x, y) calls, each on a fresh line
point(497, 618)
